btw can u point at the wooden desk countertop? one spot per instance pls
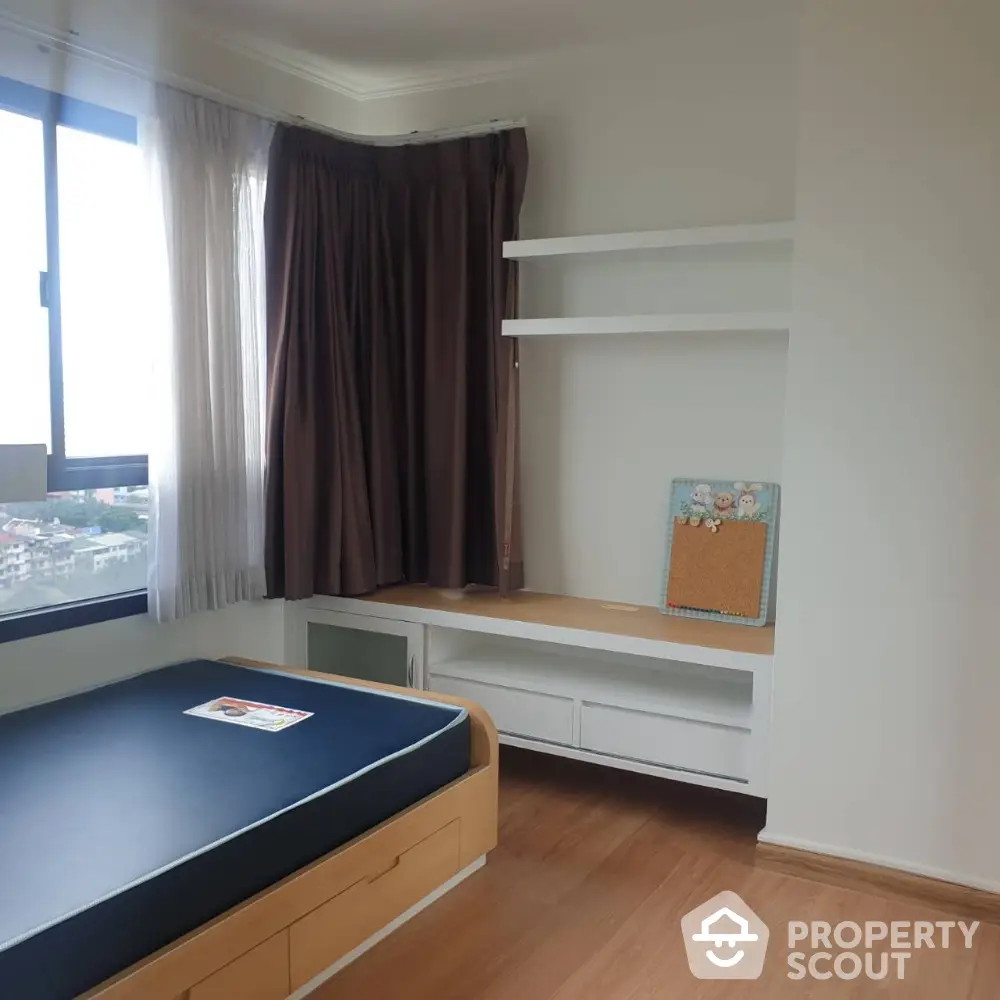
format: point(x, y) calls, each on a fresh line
point(581, 613)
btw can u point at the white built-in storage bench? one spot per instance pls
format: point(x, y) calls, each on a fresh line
point(613, 684)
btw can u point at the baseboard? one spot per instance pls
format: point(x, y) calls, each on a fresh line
point(432, 897)
point(869, 874)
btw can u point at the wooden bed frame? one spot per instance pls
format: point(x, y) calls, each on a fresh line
point(324, 915)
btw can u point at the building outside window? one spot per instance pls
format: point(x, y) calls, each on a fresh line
point(73, 546)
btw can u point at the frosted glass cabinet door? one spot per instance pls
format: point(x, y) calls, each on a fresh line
point(371, 649)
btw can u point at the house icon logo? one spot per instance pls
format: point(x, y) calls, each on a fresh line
point(725, 939)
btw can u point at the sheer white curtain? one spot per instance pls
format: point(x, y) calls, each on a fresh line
point(208, 169)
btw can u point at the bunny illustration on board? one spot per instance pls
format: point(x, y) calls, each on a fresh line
point(726, 572)
point(747, 505)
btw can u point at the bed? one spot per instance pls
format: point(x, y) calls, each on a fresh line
point(220, 829)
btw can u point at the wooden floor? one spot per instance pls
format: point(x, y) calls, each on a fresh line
point(582, 900)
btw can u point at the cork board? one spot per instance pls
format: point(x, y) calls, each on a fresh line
point(721, 582)
point(720, 571)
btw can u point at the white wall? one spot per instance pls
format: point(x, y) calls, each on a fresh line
point(885, 735)
point(48, 666)
point(695, 129)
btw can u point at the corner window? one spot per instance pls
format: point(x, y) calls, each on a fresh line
point(74, 359)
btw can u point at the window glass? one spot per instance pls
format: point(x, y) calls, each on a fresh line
point(71, 193)
point(24, 324)
point(105, 349)
point(72, 547)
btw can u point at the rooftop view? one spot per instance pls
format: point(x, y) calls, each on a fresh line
point(72, 547)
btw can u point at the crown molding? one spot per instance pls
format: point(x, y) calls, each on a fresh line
point(324, 73)
point(73, 44)
point(361, 84)
point(458, 75)
point(372, 85)
point(354, 83)
point(280, 58)
point(66, 41)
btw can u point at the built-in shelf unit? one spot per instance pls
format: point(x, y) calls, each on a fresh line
point(612, 684)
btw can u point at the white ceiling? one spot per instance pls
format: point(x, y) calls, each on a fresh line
point(373, 41)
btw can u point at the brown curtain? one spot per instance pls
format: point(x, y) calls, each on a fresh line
point(392, 397)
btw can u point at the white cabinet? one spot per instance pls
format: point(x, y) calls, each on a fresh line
point(688, 744)
point(684, 700)
point(518, 713)
point(352, 645)
point(692, 722)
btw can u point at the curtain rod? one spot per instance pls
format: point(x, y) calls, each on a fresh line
point(70, 44)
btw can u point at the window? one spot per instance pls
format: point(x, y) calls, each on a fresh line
point(74, 360)
point(71, 547)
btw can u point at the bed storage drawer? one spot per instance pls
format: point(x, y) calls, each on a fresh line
point(328, 933)
point(520, 713)
point(710, 748)
point(260, 974)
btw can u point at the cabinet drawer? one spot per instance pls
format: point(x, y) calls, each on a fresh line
point(260, 974)
point(662, 739)
point(328, 933)
point(520, 713)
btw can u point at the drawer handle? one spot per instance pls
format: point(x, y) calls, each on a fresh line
point(392, 866)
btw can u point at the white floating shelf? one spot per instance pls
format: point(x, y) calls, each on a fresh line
point(664, 323)
point(769, 232)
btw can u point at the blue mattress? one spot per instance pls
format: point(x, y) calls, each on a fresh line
point(125, 823)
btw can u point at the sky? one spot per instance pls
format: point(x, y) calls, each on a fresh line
point(105, 301)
